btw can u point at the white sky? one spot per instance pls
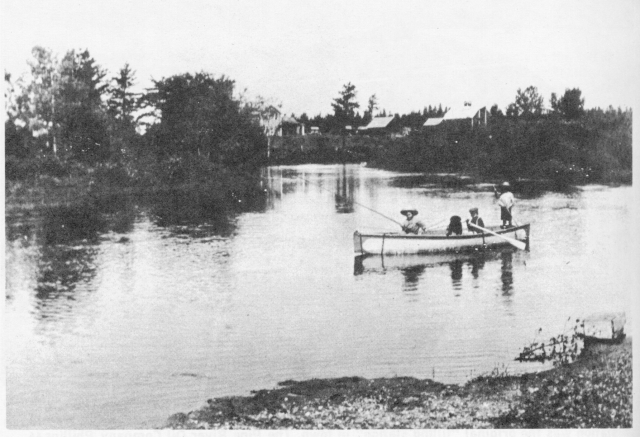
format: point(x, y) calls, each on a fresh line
point(409, 53)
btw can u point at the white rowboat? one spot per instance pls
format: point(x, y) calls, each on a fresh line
point(395, 243)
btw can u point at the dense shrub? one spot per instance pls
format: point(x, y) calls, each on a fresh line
point(40, 165)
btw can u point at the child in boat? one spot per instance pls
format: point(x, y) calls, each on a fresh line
point(505, 202)
point(411, 225)
point(455, 226)
point(475, 220)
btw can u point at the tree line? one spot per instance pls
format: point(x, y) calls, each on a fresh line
point(565, 144)
point(528, 104)
point(69, 113)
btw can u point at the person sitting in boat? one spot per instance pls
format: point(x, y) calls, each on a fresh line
point(505, 202)
point(455, 226)
point(475, 220)
point(412, 225)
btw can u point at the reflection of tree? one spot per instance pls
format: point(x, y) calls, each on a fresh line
point(69, 224)
point(506, 275)
point(273, 189)
point(60, 270)
point(68, 236)
point(184, 211)
point(345, 186)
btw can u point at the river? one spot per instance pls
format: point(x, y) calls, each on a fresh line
point(118, 319)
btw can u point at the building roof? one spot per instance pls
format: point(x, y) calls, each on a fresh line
point(289, 120)
point(433, 121)
point(461, 112)
point(380, 122)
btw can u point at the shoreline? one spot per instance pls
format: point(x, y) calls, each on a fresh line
point(595, 391)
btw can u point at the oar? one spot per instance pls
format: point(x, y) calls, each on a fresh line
point(519, 244)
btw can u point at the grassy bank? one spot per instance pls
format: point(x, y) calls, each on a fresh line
point(595, 391)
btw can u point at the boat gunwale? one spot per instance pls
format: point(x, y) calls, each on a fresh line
point(442, 237)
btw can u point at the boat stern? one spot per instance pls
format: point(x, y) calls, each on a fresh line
point(357, 243)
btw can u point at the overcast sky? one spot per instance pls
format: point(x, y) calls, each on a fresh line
point(300, 53)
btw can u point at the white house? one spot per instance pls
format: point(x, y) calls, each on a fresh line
point(270, 120)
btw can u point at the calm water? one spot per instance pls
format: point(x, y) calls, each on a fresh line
point(152, 309)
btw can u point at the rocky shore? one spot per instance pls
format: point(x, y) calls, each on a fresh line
point(593, 392)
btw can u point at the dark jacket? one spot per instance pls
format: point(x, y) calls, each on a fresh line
point(455, 226)
point(475, 221)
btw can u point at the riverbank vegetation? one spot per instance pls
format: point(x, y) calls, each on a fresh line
point(70, 130)
point(595, 391)
point(592, 147)
point(70, 133)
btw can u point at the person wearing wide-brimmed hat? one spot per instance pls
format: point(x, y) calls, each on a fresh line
point(412, 225)
point(505, 202)
point(475, 220)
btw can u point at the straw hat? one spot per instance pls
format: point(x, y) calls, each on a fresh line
point(407, 210)
point(506, 184)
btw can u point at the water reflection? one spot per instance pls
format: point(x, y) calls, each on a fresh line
point(345, 187)
point(412, 276)
point(70, 224)
point(477, 264)
point(201, 213)
point(60, 270)
point(413, 267)
point(442, 181)
point(456, 274)
point(506, 275)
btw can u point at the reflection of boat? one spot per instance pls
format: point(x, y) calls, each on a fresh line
point(378, 263)
point(390, 243)
point(605, 328)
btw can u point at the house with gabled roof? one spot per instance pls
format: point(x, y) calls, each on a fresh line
point(382, 126)
point(269, 120)
point(467, 113)
point(290, 126)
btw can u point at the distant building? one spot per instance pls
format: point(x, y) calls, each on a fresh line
point(315, 130)
point(291, 127)
point(433, 121)
point(473, 115)
point(383, 126)
point(269, 120)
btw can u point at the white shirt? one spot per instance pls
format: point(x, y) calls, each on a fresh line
point(506, 199)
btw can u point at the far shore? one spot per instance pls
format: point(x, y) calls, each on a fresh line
point(595, 391)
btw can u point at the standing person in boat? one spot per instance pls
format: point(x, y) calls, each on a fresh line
point(475, 220)
point(412, 225)
point(505, 202)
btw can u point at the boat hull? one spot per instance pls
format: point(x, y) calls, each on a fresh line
point(603, 328)
point(434, 242)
